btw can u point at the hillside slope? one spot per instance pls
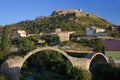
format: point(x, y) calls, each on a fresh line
point(68, 21)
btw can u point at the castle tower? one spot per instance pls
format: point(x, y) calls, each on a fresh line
point(80, 10)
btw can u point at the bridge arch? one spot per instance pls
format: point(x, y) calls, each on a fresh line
point(96, 58)
point(12, 66)
point(46, 48)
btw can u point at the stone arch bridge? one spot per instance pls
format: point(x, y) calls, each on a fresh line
point(12, 66)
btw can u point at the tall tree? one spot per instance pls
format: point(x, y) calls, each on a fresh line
point(25, 45)
point(51, 39)
point(5, 43)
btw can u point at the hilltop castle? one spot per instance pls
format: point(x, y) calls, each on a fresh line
point(76, 13)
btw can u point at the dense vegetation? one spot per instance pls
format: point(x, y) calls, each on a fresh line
point(4, 45)
point(4, 77)
point(67, 23)
point(96, 44)
point(46, 62)
point(105, 72)
point(51, 40)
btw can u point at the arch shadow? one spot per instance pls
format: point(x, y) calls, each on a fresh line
point(96, 58)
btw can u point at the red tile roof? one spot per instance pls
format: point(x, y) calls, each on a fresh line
point(112, 45)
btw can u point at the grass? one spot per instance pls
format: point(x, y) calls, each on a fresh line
point(77, 46)
point(113, 54)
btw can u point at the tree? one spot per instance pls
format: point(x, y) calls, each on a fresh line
point(5, 42)
point(115, 34)
point(25, 45)
point(3, 77)
point(98, 45)
point(51, 39)
point(105, 72)
point(79, 74)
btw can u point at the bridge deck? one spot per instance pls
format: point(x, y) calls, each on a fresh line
point(76, 51)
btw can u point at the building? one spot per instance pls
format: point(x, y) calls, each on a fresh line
point(94, 31)
point(22, 33)
point(118, 28)
point(114, 29)
point(99, 30)
point(73, 12)
point(63, 35)
point(112, 45)
point(17, 33)
point(91, 31)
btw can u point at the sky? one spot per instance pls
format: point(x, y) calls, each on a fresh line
point(14, 11)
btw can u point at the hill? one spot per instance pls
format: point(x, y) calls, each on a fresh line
point(68, 20)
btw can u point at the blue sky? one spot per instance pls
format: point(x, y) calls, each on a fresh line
point(13, 11)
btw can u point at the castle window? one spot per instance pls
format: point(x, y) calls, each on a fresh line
point(87, 15)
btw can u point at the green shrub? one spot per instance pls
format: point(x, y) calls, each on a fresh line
point(105, 72)
point(4, 77)
point(79, 74)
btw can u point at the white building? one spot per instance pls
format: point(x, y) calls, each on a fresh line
point(94, 31)
point(22, 33)
point(99, 30)
point(17, 33)
point(91, 31)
